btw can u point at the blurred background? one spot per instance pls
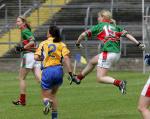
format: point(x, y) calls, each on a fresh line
point(73, 17)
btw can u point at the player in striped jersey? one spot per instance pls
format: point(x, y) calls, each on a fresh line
point(27, 61)
point(109, 33)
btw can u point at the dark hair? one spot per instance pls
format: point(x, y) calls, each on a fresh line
point(25, 21)
point(54, 32)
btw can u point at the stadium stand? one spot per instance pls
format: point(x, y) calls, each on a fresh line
point(36, 12)
point(71, 19)
point(8, 31)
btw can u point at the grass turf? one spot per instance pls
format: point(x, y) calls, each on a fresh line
point(89, 100)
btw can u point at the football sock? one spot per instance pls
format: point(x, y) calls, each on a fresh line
point(22, 98)
point(54, 114)
point(117, 82)
point(80, 76)
point(46, 101)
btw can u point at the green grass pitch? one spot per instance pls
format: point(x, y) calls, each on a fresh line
point(89, 100)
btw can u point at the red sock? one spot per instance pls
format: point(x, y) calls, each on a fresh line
point(80, 76)
point(22, 98)
point(117, 82)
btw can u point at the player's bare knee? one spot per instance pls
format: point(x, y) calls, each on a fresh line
point(141, 108)
point(91, 62)
point(99, 79)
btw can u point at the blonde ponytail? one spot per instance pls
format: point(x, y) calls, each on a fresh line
point(112, 21)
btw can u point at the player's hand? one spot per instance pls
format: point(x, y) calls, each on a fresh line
point(72, 78)
point(79, 45)
point(141, 46)
point(19, 48)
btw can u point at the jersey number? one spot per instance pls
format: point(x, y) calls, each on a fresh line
point(109, 31)
point(51, 50)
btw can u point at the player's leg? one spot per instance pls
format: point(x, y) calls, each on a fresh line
point(144, 103)
point(36, 69)
point(50, 101)
point(37, 73)
point(22, 84)
point(54, 104)
point(105, 61)
point(26, 65)
point(89, 67)
point(102, 76)
point(52, 78)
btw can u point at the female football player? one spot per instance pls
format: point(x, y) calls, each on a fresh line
point(28, 63)
point(108, 32)
point(51, 52)
point(144, 100)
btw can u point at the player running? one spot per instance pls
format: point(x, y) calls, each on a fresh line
point(108, 32)
point(144, 100)
point(51, 52)
point(28, 63)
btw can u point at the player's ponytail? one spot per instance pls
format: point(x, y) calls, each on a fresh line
point(25, 22)
point(55, 33)
point(112, 21)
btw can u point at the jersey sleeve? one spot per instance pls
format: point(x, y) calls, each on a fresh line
point(121, 31)
point(28, 35)
point(93, 31)
point(65, 50)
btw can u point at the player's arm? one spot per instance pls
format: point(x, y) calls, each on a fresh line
point(93, 31)
point(67, 63)
point(29, 35)
point(37, 54)
point(66, 56)
point(37, 57)
point(139, 44)
point(28, 46)
point(82, 37)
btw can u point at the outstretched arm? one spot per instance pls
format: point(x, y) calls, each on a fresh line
point(139, 44)
point(67, 62)
point(131, 38)
point(68, 66)
point(81, 37)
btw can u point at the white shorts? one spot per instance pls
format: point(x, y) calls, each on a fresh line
point(107, 59)
point(146, 89)
point(29, 62)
